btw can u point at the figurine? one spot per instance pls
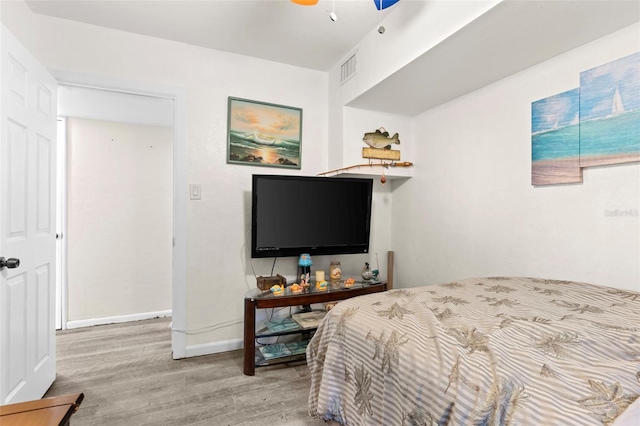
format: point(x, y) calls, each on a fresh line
point(322, 286)
point(367, 274)
point(304, 269)
point(304, 280)
point(277, 290)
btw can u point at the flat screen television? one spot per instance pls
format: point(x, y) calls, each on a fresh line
point(291, 215)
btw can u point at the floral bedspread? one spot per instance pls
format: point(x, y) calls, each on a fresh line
point(481, 351)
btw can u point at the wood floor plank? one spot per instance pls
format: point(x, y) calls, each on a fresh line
point(129, 378)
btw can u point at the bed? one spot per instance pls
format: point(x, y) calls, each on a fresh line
point(480, 351)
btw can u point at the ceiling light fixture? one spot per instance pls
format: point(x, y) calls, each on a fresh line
point(380, 27)
point(333, 15)
point(305, 2)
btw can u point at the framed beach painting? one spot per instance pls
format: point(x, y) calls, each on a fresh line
point(555, 139)
point(610, 113)
point(263, 134)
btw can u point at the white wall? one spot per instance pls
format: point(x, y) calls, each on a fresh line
point(470, 209)
point(465, 212)
point(219, 270)
point(18, 18)
point(412, 28)
point(358, 121)
point(119, 218)
point(84, 102)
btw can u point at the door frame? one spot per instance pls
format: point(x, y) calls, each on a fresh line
point(179, 254)
point(61, 223)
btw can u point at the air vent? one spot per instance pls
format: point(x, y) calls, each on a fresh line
point(348, 69)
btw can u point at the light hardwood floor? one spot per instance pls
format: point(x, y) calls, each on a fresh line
point(129, 378)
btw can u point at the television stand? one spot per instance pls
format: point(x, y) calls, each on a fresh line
point(257, 299)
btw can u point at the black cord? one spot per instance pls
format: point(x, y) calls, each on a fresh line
point(274, 265)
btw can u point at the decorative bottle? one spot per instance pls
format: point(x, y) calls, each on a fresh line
point(335, 270)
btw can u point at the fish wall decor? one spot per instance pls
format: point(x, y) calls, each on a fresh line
point(380, 145)
point(380, 139)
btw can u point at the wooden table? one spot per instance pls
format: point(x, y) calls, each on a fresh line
point(54, 411)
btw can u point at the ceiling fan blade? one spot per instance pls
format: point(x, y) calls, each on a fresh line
point(383, 4)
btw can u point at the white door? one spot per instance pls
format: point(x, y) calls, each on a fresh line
point(27, 223)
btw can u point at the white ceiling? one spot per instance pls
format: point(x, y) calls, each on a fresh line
point(512, 36)
point(276, 30)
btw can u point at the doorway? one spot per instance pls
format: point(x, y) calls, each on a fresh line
point(179, 252)
point(118, 209)
point(29, 103)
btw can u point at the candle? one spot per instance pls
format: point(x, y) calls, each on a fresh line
point(319, 276)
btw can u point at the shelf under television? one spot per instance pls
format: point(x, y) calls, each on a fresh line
point(275, 353)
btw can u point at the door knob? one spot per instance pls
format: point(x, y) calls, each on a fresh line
point(9, 263)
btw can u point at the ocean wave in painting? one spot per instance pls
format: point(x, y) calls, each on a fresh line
point(610, 113)
point(257, 148)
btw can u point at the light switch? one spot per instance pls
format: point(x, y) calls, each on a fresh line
point(195, 192)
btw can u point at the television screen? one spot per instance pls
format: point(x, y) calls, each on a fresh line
point(316, 215)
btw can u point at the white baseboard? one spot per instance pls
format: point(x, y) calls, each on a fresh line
point(214, 348)
point(117, 319)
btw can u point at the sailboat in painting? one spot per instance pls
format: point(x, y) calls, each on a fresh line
point(617, 106)
point(610, 113)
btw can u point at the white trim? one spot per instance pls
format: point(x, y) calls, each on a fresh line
point(64, 222)
point(117, 319)
point(179, 290)
point(214, 348)
point(61, 266)
point(67, 78)
point(179, 96)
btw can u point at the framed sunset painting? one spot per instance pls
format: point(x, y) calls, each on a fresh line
point(263, 134)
